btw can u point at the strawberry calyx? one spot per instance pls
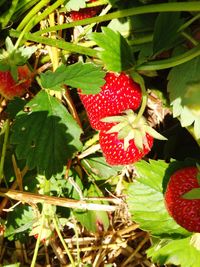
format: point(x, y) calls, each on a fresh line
point(129, 127)
point(11, 57)
point(194, 193)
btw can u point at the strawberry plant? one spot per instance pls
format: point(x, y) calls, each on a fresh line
point(100, 133)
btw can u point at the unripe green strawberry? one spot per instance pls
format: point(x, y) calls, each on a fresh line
point(118, 94)
point(186, 212)
point(115, 152)
point(9, 88)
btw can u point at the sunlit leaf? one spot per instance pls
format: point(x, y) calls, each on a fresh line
point(116, 54)
point(182, 78)
point(86, 76)
point(146, 200)
point(75, 4)
point(179, 252)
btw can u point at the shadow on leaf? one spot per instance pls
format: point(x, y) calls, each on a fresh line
point(44, 141)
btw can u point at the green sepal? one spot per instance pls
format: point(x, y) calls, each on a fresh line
point(11, 57)
point(112, 119)
point(192, 194)
point(129, 137)
point(154, 133)
point(118, 128)
point(130, 127)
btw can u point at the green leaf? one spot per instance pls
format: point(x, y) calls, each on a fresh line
point(18, 222)
point(86, 76)
point(75, 4)
point(146, 201)
point(71, 189)
point(166, 32)
point(178, 252)
point(181, 78)
point(94, 221)
point(138, 79)
point(192, 96)
point(22, 54)
point(116, 54)
point(46, 136)
point(192, 194)
point(124, 27)
point(98, 166)
point(15, 106)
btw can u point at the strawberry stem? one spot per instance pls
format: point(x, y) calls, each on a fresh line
point(189, 22)
point(170, 62)
point(56, 223)
point(33, 262)
point(154, 8)
point(143, 105)
point(44, 209)
point(32, 13)
point(3, 154)
point(58, 43)
point(190, 38)
point(77, 242)
point(35, 19)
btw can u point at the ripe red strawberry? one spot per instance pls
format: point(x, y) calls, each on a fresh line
point(9, 88)
point(119, 93)
point(186, 212)
point(85, 13)
point(114, 151)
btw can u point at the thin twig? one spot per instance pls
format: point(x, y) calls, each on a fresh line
point(57, 201)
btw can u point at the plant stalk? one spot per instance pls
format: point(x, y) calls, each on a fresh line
point(55, 222)
point(33, 262)
point(32, 13)
point(58, 43)
point(3, 154)
point(170, 62)
point(154, 8)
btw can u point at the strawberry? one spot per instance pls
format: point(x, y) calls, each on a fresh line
point(85, 13)
point(114, 149)
point(9, 88)
point(186, 212)
point(119, 93)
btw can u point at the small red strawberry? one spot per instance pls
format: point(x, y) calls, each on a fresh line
point(9, 88)
point(85, 13)
point(186, 212)
point(115, 153)
point(118, 94)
